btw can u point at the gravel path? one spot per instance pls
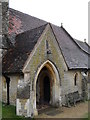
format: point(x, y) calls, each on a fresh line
point(79, 111)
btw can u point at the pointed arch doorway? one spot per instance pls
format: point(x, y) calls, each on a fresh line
point(46, 85)
point(43, 87)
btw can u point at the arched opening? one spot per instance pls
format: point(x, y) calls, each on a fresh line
point(75, 79)
point(46, 85)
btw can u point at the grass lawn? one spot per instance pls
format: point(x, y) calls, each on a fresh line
point(0, 110)
point(9, 111)
point(87, 117)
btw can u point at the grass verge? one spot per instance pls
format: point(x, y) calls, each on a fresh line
point(9, 113)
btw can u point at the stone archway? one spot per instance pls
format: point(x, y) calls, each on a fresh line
point(47, 69)
point(44, 87)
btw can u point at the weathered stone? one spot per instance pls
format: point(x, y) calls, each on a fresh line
point(23, 92)
point(23, 107)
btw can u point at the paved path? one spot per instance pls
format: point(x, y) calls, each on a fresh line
point(79, 111)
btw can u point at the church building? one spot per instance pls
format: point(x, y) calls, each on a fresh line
point(42, 64)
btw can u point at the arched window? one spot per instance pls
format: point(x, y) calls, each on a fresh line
point(47, 46)
point(75, 79)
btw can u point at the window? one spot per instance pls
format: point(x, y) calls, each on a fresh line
point(47, 47)
point(75, 79)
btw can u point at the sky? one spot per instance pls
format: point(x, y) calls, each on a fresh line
point(72, 13)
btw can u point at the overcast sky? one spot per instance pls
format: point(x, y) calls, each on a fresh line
point(72, 13)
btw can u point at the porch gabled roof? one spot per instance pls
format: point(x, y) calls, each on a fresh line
point(15, 57)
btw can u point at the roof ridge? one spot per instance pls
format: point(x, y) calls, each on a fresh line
point(87, 44)
point(75, 41)
point(16, 10)
point(82, 42)
point(78, 40)
point(31, 29)
point(82, 47)
point(57, 41)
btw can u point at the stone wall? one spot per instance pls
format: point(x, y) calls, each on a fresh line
point(4, 24)
point(68, 85)
point(0, 19)
point(23, 107)
point(14, 79)
point(4, 90)
point(0, 88)
point(88, 91)
point(0, 26)
point(5, 20)
point(88, 84)
point(13, 88)
point(5, 15)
